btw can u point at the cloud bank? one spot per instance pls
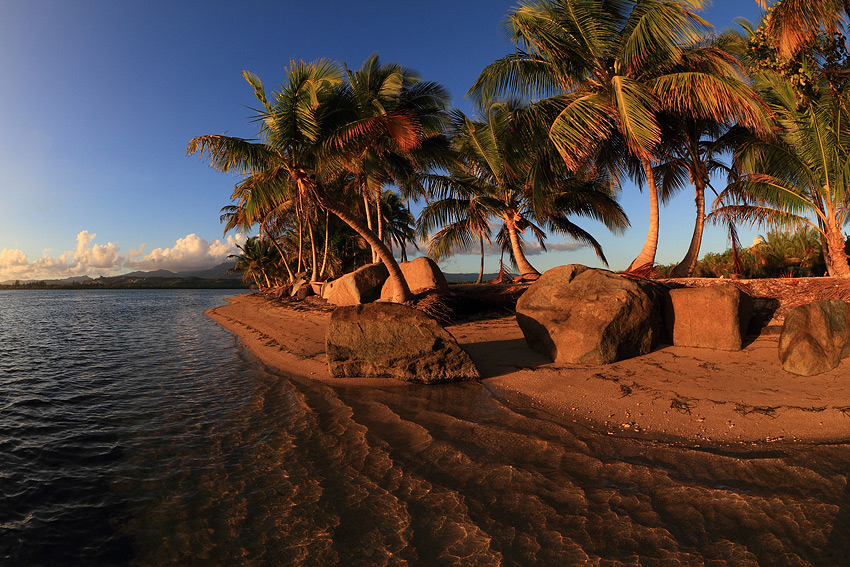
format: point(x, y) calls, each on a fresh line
point(91, 259)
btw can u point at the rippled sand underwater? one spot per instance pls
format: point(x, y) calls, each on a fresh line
point(143, 443)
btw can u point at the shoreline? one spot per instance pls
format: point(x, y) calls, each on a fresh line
point(678, 394)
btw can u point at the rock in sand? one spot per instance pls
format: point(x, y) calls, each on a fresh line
point(363, 285)
point(576, 314)
point(815, 337)
point(395, 341)
point(709, 317)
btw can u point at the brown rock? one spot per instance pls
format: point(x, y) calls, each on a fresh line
point(421, 274)
point(576, 314)
point(301, 289)
point(815, 337)
point(708, 317)
point(396, 341)
point(363, 285)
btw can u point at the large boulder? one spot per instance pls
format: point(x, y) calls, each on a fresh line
point(576, 314)
point(363, 285)
point(714, 317)
point(815, 337)
point(421, 274)
point(396, 341)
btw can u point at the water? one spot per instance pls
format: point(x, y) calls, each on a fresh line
point(135, 431)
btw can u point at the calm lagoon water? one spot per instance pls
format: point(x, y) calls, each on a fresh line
point(135, 431)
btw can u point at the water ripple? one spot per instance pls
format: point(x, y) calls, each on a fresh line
point(134, 431)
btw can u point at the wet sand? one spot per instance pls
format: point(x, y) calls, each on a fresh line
point(700, 396)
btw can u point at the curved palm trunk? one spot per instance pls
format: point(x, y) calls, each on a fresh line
point(401, 293)
point(526, 270)
point(646, 258)
point(481, 267)
point(686, 266)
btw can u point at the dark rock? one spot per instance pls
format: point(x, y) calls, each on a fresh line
point(360, 286)
point(815, 337)
point(396, 341)
point(714, 317)
point(421, 274)
point(577, 314)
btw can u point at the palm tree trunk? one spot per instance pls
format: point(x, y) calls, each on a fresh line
point(526, 270)
point(401, 293)
point(837, 257)
point(314, 255)
point(646, 258)
point(481, 267)
point(380, 215)
point(327, 240)
point(686, 266)
point(300, 248)
point(279, 251)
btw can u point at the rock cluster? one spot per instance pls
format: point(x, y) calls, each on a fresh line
point(396, 341)
point(815, 337)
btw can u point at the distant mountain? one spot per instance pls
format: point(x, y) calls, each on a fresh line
point(458, 278)
point(215, 277)
point(72, 280)
point(215, 273)
point(154, 274)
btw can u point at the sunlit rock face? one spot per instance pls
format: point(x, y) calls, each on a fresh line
point(363, 285)
point(815, 337)
point(575, 314)
point(713, 317)
point(395, 341)
point(421, 274)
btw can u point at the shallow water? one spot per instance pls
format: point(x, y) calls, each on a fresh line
point(135, 431)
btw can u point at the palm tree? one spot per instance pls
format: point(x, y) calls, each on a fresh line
point(799, 177)
point(506, 174)
point(308, 130)
point(603, 70)
point(462, 212)
point(398, 222)
point(258, 262)
point(413, 111)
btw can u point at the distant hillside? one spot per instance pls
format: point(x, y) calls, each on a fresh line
point(212, 278)
point(459, 278)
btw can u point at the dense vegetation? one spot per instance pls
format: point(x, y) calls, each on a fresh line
point(596, 92)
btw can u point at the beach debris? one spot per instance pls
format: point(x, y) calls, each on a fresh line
point(815, 337)
point(575, 314)
point(363, 285)
point(421, 274)
point(713, 317)
point(395, 341)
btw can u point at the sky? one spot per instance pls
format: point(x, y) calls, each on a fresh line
point(99, 99)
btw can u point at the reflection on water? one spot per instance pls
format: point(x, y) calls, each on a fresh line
point(133, 431)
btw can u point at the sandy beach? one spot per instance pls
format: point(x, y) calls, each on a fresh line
point(698, 396)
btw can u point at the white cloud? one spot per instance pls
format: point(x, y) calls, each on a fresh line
point(12, 258)
point(189, 253)
point(89, 258)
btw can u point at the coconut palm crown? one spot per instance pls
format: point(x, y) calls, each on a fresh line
point(602, 71)
point(309, 131)
point(518, 181)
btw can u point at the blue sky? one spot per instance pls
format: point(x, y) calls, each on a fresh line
point(99, 99)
